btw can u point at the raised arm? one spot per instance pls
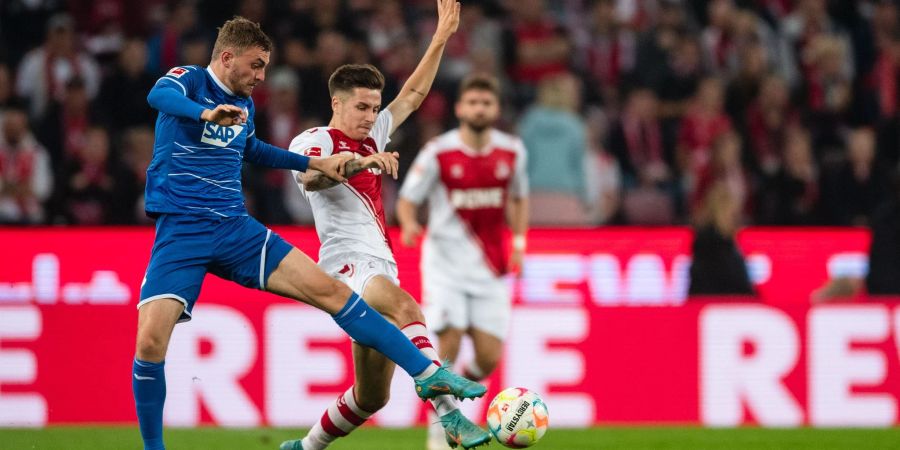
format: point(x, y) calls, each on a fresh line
point(413, 92)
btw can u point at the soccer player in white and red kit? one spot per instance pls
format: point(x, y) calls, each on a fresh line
point(354, 244)
point(473, 177)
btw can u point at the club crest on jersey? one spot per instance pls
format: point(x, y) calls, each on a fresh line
point(502, 171)
point(456, 171)
point(218, 135)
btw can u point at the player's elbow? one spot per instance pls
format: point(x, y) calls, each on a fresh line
point(154, 98)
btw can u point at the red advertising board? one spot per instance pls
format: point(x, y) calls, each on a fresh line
point(600, 327)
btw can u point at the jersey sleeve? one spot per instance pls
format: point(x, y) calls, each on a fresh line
point(381, 131)
point(315, 143)
point(172, 93)
point(518, 185)
point(185, 78)
point(422, 175)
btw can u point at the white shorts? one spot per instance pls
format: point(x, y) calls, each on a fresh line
point(357, 270)
point(447, 303)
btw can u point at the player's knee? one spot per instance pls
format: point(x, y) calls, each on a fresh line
point(151, 348)
point(374, 401)
point(407, 311)
point(330, 293)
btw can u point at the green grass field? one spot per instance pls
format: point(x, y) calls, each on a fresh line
point(667, 438)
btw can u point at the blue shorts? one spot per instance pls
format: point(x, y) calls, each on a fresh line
point(186, 247)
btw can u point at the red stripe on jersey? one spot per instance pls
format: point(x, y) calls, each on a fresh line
point(366, 184)
point(330, 427)
point(478, 187)
point(348, 413)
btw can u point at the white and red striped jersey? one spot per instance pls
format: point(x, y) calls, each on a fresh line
point(350, 216)
point(467, 192)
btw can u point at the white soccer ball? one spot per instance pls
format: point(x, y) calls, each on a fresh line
point(517, 417)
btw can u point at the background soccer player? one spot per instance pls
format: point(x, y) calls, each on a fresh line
point(469, 176)
point(204, 132)
point(355, 247)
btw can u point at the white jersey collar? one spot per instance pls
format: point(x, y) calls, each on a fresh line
point(218, 82)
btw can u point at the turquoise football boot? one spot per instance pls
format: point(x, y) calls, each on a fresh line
point(445, 382)
point(459, 431)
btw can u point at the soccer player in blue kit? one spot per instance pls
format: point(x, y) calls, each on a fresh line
point(204, 132)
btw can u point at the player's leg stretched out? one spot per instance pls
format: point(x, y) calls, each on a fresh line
point(373, 374)
point(169, 296)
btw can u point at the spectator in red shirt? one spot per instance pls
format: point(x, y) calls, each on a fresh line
point(26, 180)
point(704, 122)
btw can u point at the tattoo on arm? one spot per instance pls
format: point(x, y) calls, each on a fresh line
point(317, 181)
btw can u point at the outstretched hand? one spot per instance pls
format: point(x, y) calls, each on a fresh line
point(332, 166)
point(224, 115)
point(448, 19)
point(388, 163)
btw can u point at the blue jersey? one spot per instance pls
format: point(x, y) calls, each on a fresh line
point(196, 166)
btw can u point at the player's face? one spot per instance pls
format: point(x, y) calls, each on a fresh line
point(245, 70)
point(356, 111)
point(477, 109)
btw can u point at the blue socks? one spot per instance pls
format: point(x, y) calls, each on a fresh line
point(148, 381)
point(367, 327)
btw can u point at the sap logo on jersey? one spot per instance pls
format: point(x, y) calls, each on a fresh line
point(218, 135)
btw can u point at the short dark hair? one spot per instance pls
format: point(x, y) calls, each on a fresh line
point(241, 34)
point(350, 76)
point(480, 82)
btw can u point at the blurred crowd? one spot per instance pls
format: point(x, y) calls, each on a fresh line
point(643, 112)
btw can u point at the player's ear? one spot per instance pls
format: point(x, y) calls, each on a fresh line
point(336, 104)
point(227, 58)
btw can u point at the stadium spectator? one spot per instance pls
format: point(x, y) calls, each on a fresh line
point(277, 123)
point(703, 123)
point(26, 179)
point(123, 94)
point(725, 169)
point(717, 266)
point(852, 191)
point(658, 46)
point(44, 72)
point(536, 46)
point(827, 91)
point(556, 140)
point(791, 196)
point(65, 124)
point(89, 184)
point(720, 47)
point(164, 47)
point(475, 47)
point(608, 54)
point(131, 176)
point(765, 122)
point(6, 92)
point(603, 175)
point(648, 182)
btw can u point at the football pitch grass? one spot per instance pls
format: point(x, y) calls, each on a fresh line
point(370, 438)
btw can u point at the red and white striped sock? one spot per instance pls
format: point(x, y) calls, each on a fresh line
point(339, 420)
point(418, 334)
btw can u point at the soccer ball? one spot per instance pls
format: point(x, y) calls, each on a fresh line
point(517, 417)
